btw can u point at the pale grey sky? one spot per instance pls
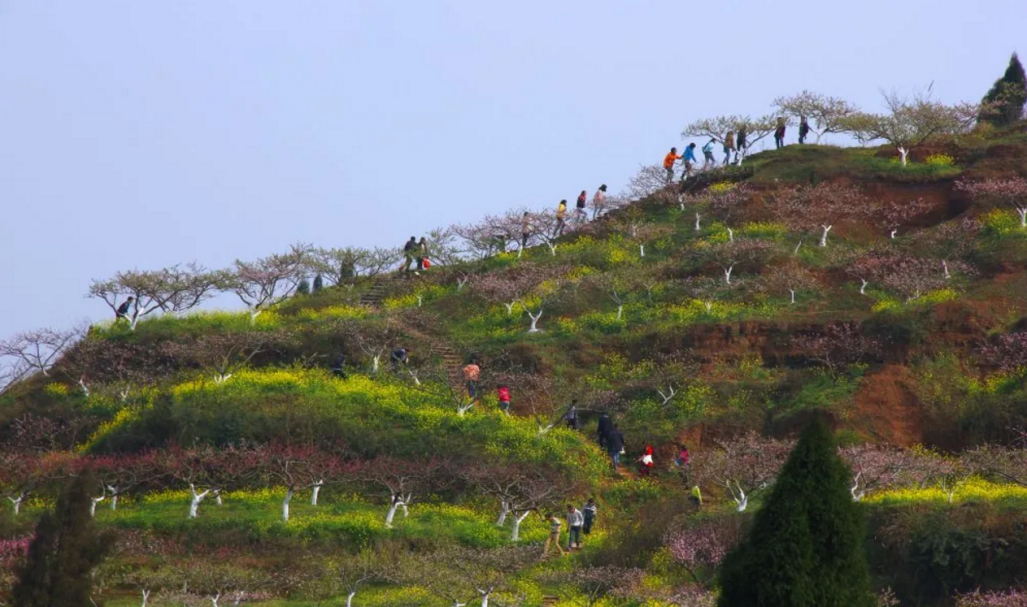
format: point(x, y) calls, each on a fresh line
point(141, 134)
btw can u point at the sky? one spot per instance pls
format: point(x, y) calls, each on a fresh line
point(137, 135)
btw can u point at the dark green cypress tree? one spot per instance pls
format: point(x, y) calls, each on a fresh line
point(805, 548)
point(65, 551)
point(1005, 101)
point(303, 288)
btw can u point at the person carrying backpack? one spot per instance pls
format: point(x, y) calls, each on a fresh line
point(579, 208)
point(803, 129)
point(471, 374)
point(409, 252)
point(779, 134)
point(590, 512)
point(604, 430)
point(615, 446)
point(707, 152)
point(741, 143)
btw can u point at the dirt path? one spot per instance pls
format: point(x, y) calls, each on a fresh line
point(887, 408)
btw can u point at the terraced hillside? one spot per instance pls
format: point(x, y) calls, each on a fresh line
point(279, 455)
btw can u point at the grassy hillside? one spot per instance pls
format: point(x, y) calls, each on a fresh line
point(721, 312)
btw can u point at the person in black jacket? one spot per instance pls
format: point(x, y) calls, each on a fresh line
point(122, 312)
point(605, 427)
point(615, 444)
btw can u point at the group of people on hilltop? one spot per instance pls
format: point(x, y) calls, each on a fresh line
point(734, 146)
point(579, 522)
point(580, 212)
point(415, 250)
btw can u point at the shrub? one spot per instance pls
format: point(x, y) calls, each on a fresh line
point(940, 160)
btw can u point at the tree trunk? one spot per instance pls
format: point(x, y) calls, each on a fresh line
point(254, 313)
point(375, 360)
point(146, 597)
point(114, 497)
point(315, 491)
point(697, 228)
point(194, 504)
point(510, 307)
point(349, 599)
point(392, 512)
point(16, 502)
point(285, 504)
point(504, 509)
point(552, 248)
point(620, 311)
point(823, 237)
point(903, 153)
point(945, 268)
point(93, 501)
point(792, 291)
point(863, 287)
point(1022, 212)
point(727, 274)
point(730, 235)
point(515, 535)
point(534, 321)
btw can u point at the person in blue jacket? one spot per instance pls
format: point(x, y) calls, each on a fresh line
point(689, 160)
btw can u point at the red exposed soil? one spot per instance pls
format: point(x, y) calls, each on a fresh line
point(887, 409)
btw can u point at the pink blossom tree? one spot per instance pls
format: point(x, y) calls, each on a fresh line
point(37, 351)
point(268, 281)
point(893, 215)
point(404, 480)
point(837, 346)
point(745, 465)
point(1005, 598)
point(700, 547)
point(1010, 192)
point(821, 206)
point(875, 467)
point(1007, 352)
point(171, 290)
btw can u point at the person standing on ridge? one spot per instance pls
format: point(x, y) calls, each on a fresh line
point(422, 252)
point(122, 312)
point(599, 201)
point(525, 229)
point(409, 252)
point(668, 163)
point(707, 152)
point(729, 147)
point(689, 160)
point(580, 214)
point(742, 135)
point(561, 218)
point(779, 134)
point(803, 129)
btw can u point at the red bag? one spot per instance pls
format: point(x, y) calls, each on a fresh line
point(427, 263)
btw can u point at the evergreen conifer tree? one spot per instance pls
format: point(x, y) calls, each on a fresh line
point(303, 288)
point(318, 283)
point(65, 551)
point(1005, 101)
point(806, 545)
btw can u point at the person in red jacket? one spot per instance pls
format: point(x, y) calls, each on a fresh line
point(504, 398)
point(645, 463)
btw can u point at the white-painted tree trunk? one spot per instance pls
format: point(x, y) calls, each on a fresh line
point(17, 501)
point(708, 305)
point(146, 597)
point(945, 268)
point(220, 378)
point(83, 386)
point(375, 362)
point(515, 535)
point(741, 499)
point(254, 313)
point(194, 503)
point(315, 491)
point(93, 501)
point(485, 597)
point(697, 218)
point(1022, 212)
point(668, 395)
point(641, 250)
point(115, 494)
point(727, 274)
point(463, 408)
point(797, 247)
point(285, 504)
point(217, 497)
point(904, 154)
point(214, 599)
point(894, 233)
point(510, 307)
point(520, 251)
point(730, 235)
point(349, 598)
point(863, 287)
point(552, 248)
point(792, 291)
point(620, 311)
point(420, 299)
point(823, 237)
point(504, 510)
point(534, 321)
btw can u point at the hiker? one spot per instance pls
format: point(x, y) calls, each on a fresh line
point(409, 253)
point(707, 152)
point(471, 374)
point(503, 391)
point(122, 312)
point(729, 147)
point(554, 536)
point(605, 428)
point(399, 356)
point(741, 144)
point(779, 134)
point(561, 216)
point(615, 446)
point(803, 129)
point(579, 211)
point(695, 496)
point(599, 201)
point(572, 415)
point(646, 461)
point(422, 252)
point(590, 515)
point(668, 163)
point(339, 368)
point(682, 461)
point(575, 520)
point(525, 229)
point(689, 161)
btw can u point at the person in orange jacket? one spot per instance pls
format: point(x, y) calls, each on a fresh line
point(668, 163)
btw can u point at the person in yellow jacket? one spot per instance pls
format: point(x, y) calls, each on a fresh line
point(561, 218)
point(668, 163)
